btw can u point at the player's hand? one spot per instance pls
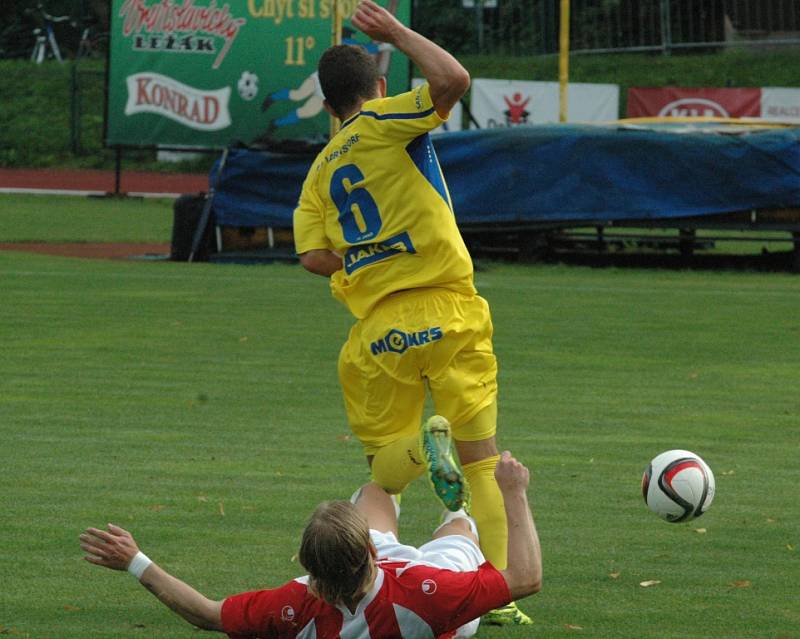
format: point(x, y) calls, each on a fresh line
point(510, 474)
point(376, 22)
point(113, 548)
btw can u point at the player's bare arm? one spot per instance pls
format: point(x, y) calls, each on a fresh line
point(524, 572)
point(321, 262)
point(115, 548)
point(448, 80)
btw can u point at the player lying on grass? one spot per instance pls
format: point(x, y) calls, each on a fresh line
point(375, 216)
point(361, 583)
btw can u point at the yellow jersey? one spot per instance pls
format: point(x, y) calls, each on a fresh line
point(376, 196)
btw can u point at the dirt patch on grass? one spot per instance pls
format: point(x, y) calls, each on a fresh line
point(94, 250)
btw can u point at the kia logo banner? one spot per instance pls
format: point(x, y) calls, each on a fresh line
point(771, 103)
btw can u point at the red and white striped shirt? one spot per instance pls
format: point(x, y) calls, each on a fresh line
point(408, 599)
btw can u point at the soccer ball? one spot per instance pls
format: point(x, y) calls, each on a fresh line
point(248, 86)
point(678, 486)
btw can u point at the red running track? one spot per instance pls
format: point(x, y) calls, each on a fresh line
point(102, 181)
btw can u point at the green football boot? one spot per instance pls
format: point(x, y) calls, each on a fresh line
point(508, 615)
point(444, 474)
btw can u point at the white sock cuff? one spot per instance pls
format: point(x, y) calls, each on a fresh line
point(459, 514)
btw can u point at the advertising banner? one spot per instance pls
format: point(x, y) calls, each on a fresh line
point(780, 104)
point(509, 103)
point(206, 73)
point(693, 102)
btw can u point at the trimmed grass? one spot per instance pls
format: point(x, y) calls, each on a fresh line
point(53, 218)
point(197, 405)
point(48, 218)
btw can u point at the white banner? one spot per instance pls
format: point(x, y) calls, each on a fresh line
point(454, 123)
point(780, 104)
point(195, 108)
point(507, 103)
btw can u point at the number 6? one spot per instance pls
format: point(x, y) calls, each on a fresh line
point(346, 202)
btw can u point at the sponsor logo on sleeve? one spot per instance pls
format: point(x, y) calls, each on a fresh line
point(194, 108)
point(287, 613)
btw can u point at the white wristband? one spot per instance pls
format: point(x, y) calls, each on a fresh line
point(139, 564)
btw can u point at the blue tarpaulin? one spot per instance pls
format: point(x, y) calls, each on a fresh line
point(561, 173)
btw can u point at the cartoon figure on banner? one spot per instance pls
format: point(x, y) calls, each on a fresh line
point(309, 91)
point(516, 113)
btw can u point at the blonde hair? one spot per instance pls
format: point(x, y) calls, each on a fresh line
point(335, 550)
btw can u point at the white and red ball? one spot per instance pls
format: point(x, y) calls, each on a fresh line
point(678, 485)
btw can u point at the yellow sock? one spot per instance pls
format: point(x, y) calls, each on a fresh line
point(397, 464)
point(488, 510)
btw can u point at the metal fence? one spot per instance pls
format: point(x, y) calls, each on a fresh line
point(85, 125)
point(530, 27)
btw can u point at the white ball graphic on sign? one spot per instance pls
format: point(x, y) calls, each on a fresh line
point(248, 86)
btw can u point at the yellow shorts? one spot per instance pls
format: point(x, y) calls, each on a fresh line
point(432, 338)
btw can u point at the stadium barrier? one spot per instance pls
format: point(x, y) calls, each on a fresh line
point(515, 189)
point(531, 27)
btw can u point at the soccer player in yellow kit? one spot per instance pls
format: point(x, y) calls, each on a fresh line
point(375, 216)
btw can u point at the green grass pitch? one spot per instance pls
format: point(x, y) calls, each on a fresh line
point(198, 406)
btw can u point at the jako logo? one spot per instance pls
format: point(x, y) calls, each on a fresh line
point(693, 108)
point(397, 341)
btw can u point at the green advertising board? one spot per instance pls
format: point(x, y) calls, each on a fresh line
point(206, 73)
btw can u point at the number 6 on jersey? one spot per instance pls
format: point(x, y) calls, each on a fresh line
point(368, 224)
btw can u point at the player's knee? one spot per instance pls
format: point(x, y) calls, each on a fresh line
point(459, 526)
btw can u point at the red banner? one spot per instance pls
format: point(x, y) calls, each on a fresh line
point(693, 103)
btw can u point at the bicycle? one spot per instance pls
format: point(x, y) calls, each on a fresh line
point(46, 36)
point(92, 43)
